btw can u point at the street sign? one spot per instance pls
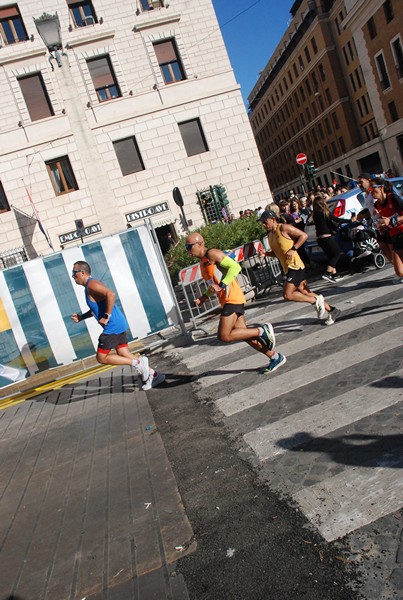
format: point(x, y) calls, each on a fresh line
point(301, 158)
point(177, 196)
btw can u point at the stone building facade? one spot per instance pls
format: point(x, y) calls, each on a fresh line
point(140, 99)
point(332, 90)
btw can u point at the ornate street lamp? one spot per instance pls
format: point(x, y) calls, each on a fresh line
point(48, 27)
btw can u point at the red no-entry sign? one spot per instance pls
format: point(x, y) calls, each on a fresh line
point(301, 158)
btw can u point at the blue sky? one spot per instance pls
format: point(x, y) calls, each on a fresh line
point(252, 37)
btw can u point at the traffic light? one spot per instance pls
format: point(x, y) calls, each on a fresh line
point(221, 195)
point(311, 170)
point(204, 198)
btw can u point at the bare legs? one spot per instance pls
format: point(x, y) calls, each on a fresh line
point(233, 329)
point(302, 293)
point(123, 356)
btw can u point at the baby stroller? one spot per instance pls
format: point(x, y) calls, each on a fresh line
point(359, 244)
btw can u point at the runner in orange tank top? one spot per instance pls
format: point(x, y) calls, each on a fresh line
point(232, 326)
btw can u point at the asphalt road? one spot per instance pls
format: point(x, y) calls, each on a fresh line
point(292, 482)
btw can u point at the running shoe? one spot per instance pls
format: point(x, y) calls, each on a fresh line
point(154, 380)
point(275, 363)
point(268, 338)
point(143, 369)
point(338, 277)
point(333, 315)
point(329, 277)
point(320, 306)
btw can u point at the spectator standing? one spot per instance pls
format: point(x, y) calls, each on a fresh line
point(325, 226)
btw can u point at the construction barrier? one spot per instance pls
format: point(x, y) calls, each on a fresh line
point(258, 273)
point(38, 297)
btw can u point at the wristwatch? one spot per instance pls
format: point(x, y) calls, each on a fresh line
point(106, 316)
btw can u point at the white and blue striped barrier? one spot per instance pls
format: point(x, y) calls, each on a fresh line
point(38, 297)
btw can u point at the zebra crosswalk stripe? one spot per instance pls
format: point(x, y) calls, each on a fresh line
point(316, 338)
point(348, 473)
point(272, 440)
point(291, 310)
point(353, 498)
point(328, 365)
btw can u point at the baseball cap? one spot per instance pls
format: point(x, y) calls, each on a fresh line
point(365, 176)
point(267, 214)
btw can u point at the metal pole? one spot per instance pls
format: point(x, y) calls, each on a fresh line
point(302, 178)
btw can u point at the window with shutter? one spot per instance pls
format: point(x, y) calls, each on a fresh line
point(36, 97)
point(4, 205)
point(128, 155)
point(12, 28)
point(193, 137)
point(103, 78)
point(169, 61)
point(82, 13)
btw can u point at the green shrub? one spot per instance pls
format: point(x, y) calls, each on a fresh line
point(219, 235)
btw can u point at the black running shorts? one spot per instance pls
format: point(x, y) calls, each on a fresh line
point(383, 237)
point(230, 309)
point(295, 276)
point(397, 241)
point(111, 341)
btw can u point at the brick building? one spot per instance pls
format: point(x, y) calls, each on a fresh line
point(140, 99)
point(332, 90)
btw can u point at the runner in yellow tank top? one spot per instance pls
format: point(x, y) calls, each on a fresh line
point(284, 241)
point(232, 326)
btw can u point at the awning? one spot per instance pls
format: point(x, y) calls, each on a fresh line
point(161, 222)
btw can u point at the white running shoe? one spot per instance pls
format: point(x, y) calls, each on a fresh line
point(154, 380)
point(143, 369)
point(334, 314)
point(320, 306)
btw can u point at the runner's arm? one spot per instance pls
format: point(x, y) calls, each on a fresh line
point(299, 237)
point(77, 318)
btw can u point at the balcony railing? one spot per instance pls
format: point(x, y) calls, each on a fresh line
point(10, 258)
point(151, 4)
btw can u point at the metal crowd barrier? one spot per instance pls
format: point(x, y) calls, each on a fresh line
point(258, 273)
point(263, 271)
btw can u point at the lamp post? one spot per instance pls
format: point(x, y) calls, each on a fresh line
point(48, 27)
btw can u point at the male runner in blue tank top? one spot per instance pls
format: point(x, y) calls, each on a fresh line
point(101, 302)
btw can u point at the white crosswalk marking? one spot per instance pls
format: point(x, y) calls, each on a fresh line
point(338, 455)
point(339, 411)
point(298, 311)
point(262, 392)
point(352, 499)
point(316, 338)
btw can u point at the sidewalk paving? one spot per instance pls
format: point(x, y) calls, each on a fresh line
point(89, 506)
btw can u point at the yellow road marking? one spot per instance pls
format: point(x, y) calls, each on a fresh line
point(53, 385)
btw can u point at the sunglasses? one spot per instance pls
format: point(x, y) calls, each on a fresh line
point(190, 246)
point(74, 273)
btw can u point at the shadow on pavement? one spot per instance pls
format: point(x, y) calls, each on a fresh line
point(356, 449)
